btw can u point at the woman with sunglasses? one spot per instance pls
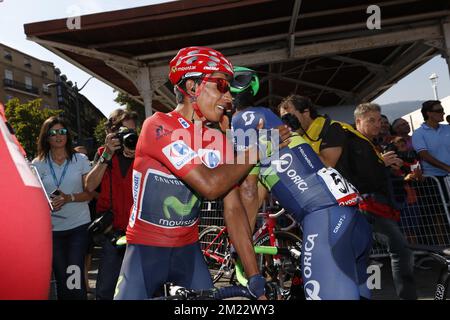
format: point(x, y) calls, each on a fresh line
point(63, 171)
point(178, 162)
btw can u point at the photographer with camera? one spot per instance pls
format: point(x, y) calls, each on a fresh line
point(113, 172)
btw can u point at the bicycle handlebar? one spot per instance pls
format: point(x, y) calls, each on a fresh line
point(276, 215)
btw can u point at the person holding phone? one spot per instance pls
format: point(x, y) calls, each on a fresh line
point(62, 172)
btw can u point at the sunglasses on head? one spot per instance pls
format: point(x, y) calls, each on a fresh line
point(54, 132)
point(222, 84)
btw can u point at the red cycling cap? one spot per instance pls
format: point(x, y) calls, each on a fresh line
point(195, 61)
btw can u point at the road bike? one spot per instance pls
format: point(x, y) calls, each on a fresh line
point(280, 267)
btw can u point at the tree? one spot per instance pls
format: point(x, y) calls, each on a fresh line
point(100, 132)
point(26, 120)
point(131, 105)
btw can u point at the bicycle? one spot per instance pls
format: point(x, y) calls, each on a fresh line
point(280, 267)
point(442, 256)
point(173, 292)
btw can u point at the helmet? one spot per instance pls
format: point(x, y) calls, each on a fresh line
point(244, 78)
point(195, 61)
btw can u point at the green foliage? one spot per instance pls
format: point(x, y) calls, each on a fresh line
point(26, 120)
point(100, 132)
point(131, 105)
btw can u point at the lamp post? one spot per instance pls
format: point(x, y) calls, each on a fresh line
point(433, 78)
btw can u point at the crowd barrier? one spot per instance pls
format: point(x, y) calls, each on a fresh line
point(425, 217)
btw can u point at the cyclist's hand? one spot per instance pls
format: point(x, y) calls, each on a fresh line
point(256, 286)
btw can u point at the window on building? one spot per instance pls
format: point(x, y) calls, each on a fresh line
point(7, 55)
point(44, 71)
point(27, 62)
point(9, 75)
point(28, 82)
point(45, 88)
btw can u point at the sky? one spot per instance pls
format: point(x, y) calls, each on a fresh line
point(416, 86)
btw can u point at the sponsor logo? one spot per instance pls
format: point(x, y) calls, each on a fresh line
point(179, 153)
point(210, 158)
point(312, 287)
point(172, 223)
point(440, 291)
point(161, 132)
point(184, 123)
point(211, 68)
point(306, 157)
point(248, 117)
point(136, 187)
point(186, 68)
point(339, 224)
point(283, 165)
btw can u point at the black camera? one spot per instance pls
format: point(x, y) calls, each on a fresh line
point(291, 121)
point(127, 137)
point(102, 224)
point(390, 147)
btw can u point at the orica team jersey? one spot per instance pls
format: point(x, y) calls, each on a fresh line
point(165, 210)
point(295, 175)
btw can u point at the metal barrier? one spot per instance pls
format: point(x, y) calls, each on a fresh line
point(425, 218)
point(211, 214)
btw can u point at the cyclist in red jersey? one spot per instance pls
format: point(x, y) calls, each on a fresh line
point(179, 161)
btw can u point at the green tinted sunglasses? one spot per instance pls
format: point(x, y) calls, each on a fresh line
point(54, 132)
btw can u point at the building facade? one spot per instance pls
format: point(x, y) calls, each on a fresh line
point(89, 115)
point(26, 78)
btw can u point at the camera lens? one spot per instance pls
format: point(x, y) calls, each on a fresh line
point(127, 137)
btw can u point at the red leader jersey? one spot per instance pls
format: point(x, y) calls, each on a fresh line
point(166, 210)
point(25, 227)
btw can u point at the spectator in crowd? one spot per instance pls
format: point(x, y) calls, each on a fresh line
point(63, 172)
point(371, 176)
point(113, 173)
point(447, 118)
point(385, 136)
point(401, 128)
point(432, 141)
point(405, 190)
point(354, 155)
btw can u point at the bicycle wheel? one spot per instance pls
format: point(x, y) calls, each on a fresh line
point(216, 252)
point(286, 270)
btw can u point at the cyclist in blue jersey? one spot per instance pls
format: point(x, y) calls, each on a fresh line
point(336, 239)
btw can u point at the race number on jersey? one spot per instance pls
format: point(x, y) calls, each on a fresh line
point(343, 191)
